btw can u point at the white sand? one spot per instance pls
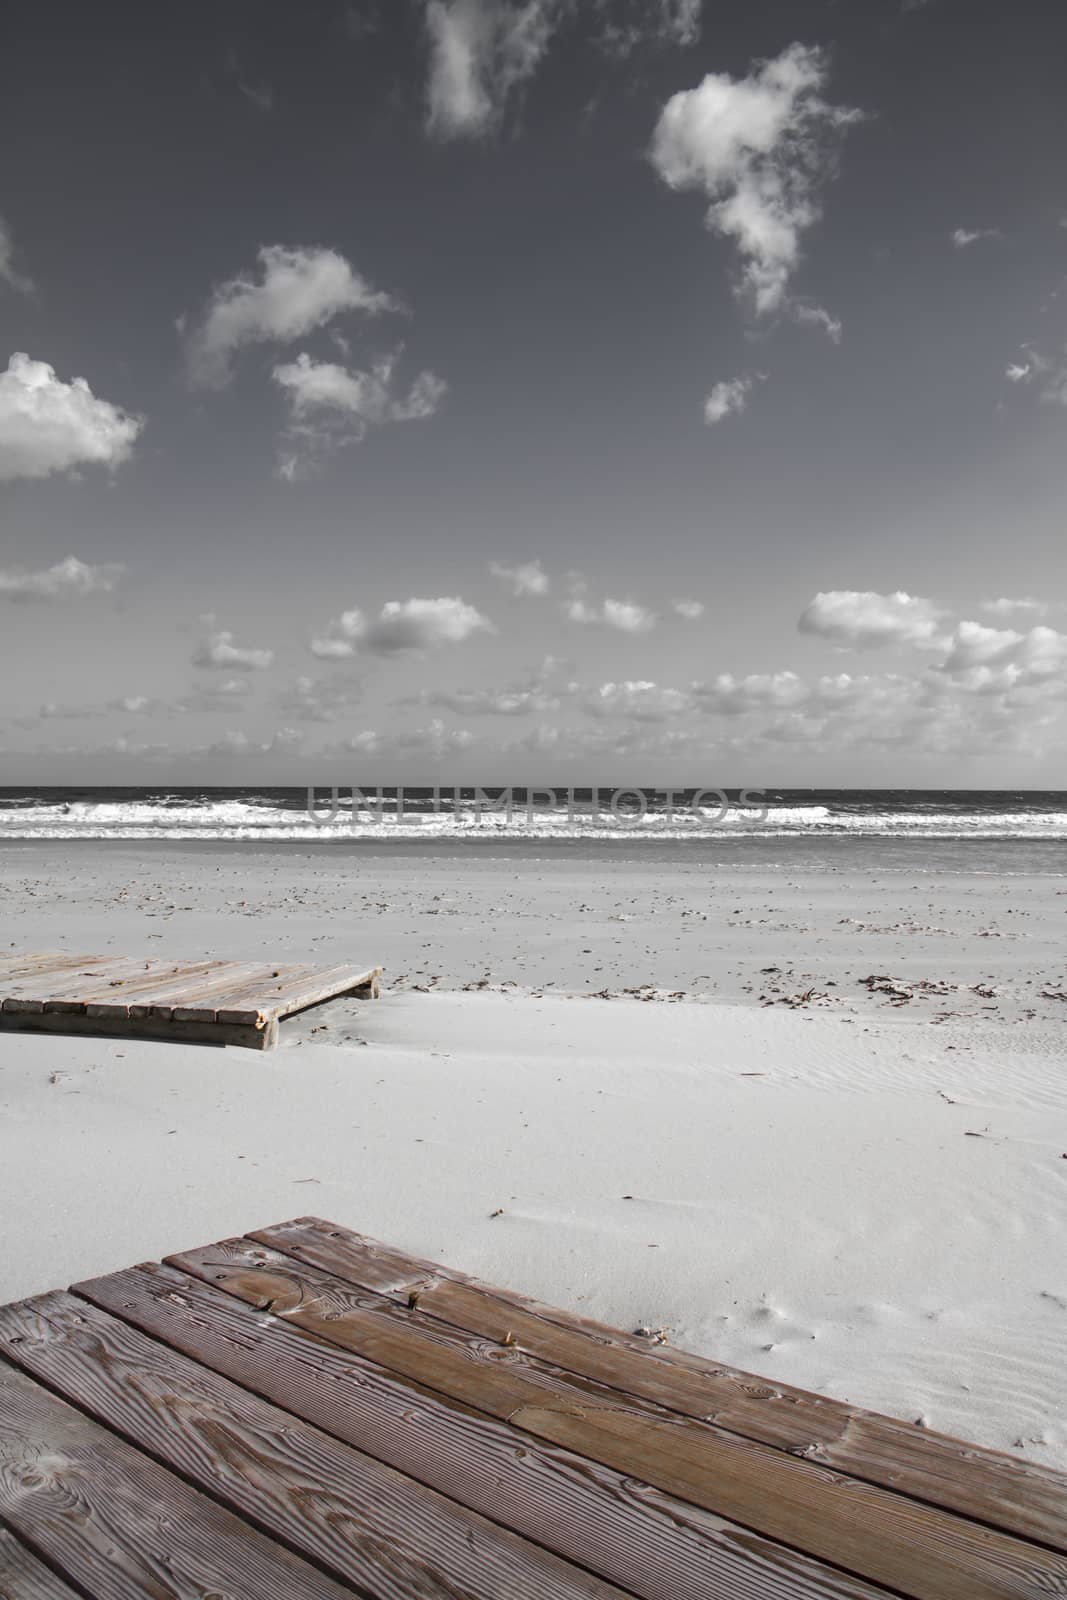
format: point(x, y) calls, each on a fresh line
point(865, 1199)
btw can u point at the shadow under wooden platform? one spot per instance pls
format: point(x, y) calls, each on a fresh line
point(304, 1412)
point(203, 1002)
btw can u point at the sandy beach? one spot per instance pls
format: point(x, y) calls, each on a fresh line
point(663, 1092)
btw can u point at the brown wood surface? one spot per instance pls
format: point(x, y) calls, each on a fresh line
point(917, 1549)
point(118, 1526)
point(296, 990)
point(106, 980)
point(184, 991)
point(1018, 1496)
point(23, 1577)
point(250, 1001)
point(161, 1030)
point(363, 1522)
point(30, 991)
point(650, 1543)
point(158, 977)
point(21, 962)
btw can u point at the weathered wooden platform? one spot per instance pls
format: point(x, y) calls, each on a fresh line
point(304, 1412)
point(207, 1002)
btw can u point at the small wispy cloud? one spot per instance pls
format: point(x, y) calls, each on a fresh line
point(964, 237)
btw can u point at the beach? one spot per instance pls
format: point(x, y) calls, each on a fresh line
point(803, 1114)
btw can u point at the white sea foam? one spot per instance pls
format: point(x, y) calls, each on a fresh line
point(264, 819)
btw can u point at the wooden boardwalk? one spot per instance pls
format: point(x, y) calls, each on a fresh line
point(304, 1412)
point(205, 1002)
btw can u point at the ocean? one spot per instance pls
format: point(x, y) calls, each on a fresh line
point(273, 815)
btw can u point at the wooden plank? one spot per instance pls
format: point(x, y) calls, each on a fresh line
point(23, 962)
point(328, 984)
point(23, 1577)
point(29, 993)
point(363, 1522)
point(1019, 1496)
point(650, 1543)
point(139, 999)
point(918, 1550)
point(307, 989)
point(75, 994)
point(117, 1525)
point(295, 992)
point(162, 1002)
point(155, 976)
point(160, 1030)
point(247, 999)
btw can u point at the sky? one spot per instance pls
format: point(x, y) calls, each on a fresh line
point(534, 391)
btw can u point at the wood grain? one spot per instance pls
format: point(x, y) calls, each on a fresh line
point(1021, 1497)
point(202, 989)
point(159, 1029)
point(365, 1523)
point(650, 1543)
point(296, 991)
point(158, 977)
point(919, 1550)
point(23, 1577)
point(117, 1526)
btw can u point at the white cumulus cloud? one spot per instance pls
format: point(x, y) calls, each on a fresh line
point(415, 624)
point(331, 406)
point(689, 610)
point(639, 699)
point(625, 615)
point(49, 426)
point(527, 579)
point(862, 617)
point(221, 651)
point(68, 577)
point(480, 52)
point(727, 398)
point(297, 291)
point(759, 148)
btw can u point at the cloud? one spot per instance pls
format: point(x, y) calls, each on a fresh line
point(1052, 370)
point(630, 23)
point(1005, 608)
point(220, 651)
point(8, 273)
point(861, 617)
point(321, 699)
point(639, 699)
point(332, 406)
point(49, 426)
point(963, 237)
point(260, 95)
point(481, 51)
point(730, 696)
point(997, 660)
point(689, 610)
point(759, 148)
point(414, 624)
point(68, 577)
point(517, 702)
point(436, 740)
point(727, 398)
point(818, 317)
point(525, 580)
point(625, 615)
point(298, 290)
point(237, 743)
